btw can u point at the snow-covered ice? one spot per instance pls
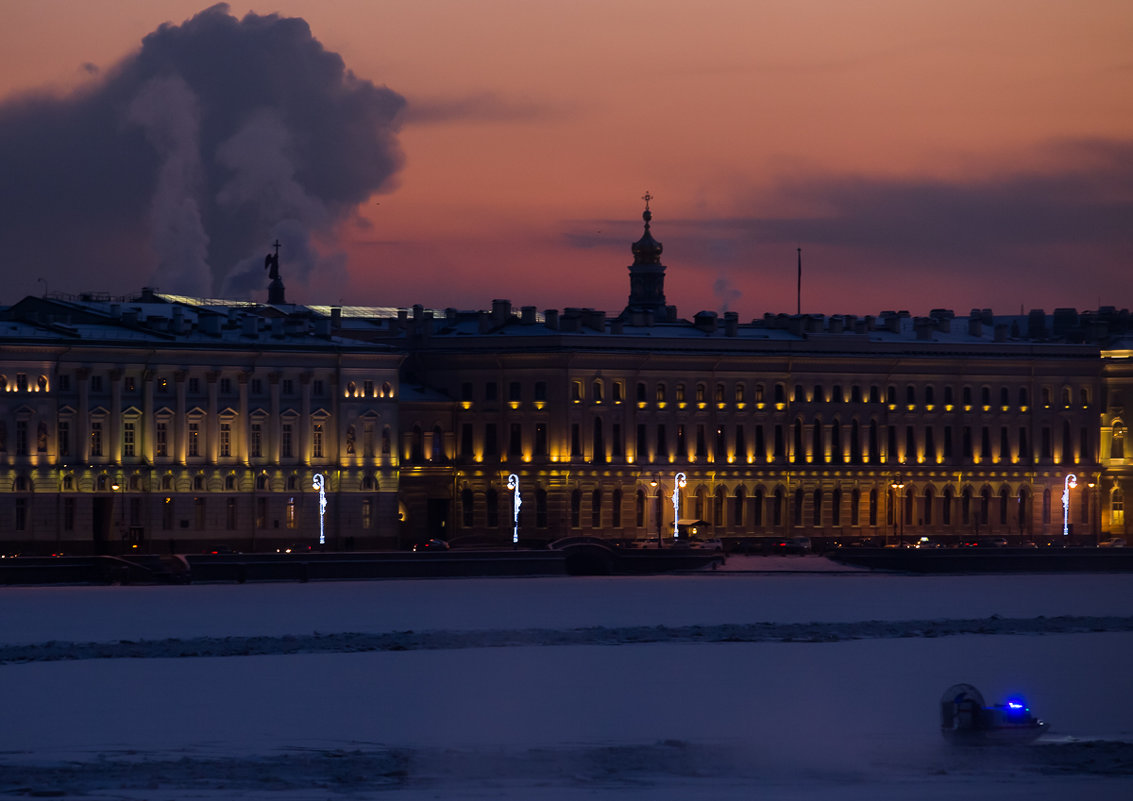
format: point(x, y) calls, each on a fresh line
point(707, 686)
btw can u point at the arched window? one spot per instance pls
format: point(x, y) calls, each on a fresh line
point(836, 507)
point(261, 482)
point(946, 508)
point(438, 449)
point(777, 507)
point(738, 508)
point(167, 481)
point(616, 509)
point(1117, 510)
point(873, 507)
point(492, 505)
point(1117, 442)
point(639, 509)
point(540, 507)
point(718, 508)
point(467, 507)
point(797, 512)
point(596, 509)
point(576, 509)
point(929, 496)
point(230, 482)
point(757, 507)
point(985, 505)
point(199, 483)
point(1004, 495)
point(368, 483)
point(817, 519)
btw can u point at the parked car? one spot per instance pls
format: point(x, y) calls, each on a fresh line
point(1112, 542)
point(984, 542)
point(433, 544)
point(792, 545)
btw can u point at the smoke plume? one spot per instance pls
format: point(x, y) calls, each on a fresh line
point(181, 164)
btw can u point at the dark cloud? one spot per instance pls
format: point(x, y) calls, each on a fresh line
point(185, 160)
point(1060, 228)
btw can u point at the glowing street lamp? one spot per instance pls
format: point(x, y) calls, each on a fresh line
point(1070, 482)
point(898, 512)
point(678, 483)
point(320, 484)
point(517, 501)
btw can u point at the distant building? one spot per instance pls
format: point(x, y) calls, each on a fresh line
point(164, 423)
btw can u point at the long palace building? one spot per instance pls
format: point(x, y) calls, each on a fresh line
point(166, 423)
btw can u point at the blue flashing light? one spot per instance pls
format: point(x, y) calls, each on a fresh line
point(1016, 703)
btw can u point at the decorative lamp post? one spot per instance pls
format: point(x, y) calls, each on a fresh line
point(656, 484)
point(678, 483)
point(1070, 482)
point(898, 485)
point(517, 501)
point(319, 483)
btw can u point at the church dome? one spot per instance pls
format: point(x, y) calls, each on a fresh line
point(647, 250)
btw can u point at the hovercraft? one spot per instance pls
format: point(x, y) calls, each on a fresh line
point(965, 718)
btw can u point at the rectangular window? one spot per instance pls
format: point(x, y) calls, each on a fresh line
point(65, 383)
point(317, 440)
point(21, 438)
point(261, 512)
point(285, 441)
point(161, 436)
point(230, 514)
point(68, 514)
point(21, 514)
point(288, 386)
point(466, 443)
point(367, 389)
point(368, 439)
point(540, 390)
point(194, 439)
point(515, 441)
point(199, 514)
point(257, 386)
point(64, 434)
point(128, 439)
point(226, 386)
point(96, 383)
point(575, 439)
point(167, 513)
point(291, 515)
point(257, 444)
point(318, 388)
point(617, 449)
point(642, 444)
point(367, 513)
point(491, 440)
point(540, 439)
point(96, 438)
point(491, 391)
point(194, 386)
point(225, 439)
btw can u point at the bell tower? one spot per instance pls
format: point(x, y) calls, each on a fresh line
point(647, 273)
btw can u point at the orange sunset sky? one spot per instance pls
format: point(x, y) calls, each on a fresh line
point(922, 154)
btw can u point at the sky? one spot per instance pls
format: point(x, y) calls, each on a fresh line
point(924, 154)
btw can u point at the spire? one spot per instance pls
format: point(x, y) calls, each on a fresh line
point(647, 273)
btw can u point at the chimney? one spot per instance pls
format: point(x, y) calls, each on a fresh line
point(528, 315)
point(551, 317)
point(178, 324)
point(1001, 332)
point(923, 328)
point(501, 311)
point(975, 324)
point(731, 323)
point(336, 317)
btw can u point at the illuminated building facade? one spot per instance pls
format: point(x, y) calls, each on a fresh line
point(168, 423)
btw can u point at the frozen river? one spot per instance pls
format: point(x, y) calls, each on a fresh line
point(709, 686)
